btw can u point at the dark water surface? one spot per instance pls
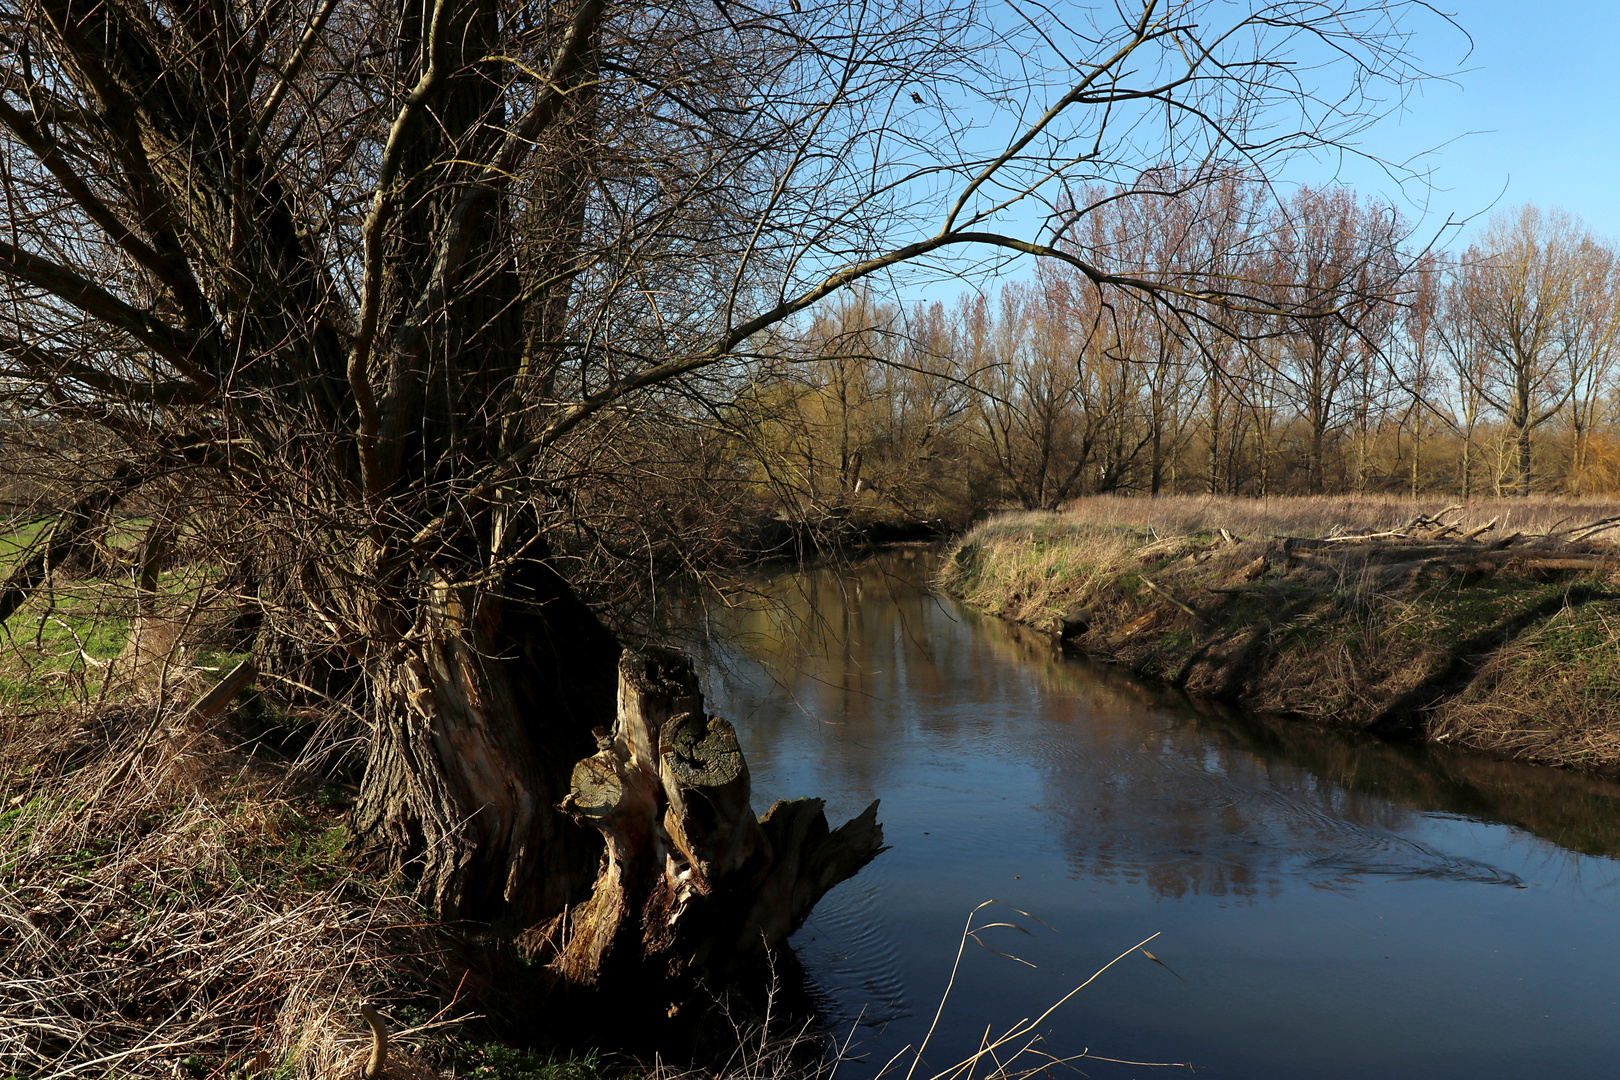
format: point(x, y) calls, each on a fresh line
point(1328, 906)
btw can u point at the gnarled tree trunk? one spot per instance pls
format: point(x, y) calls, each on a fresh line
point(692, 883)
point(481, 710)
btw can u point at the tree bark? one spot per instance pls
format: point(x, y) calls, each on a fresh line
point(692, 883)
point(1524, 461)
point(480, 714)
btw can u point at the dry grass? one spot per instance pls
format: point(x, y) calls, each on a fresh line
point(1552, 695)
point(1019, 1052)
point(173, 907)
point(1324, 515)
point(1029, 567)
point(1036, 564)
point(1518, 658)
point(186, 916)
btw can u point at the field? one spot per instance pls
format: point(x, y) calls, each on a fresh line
point(1492, 626)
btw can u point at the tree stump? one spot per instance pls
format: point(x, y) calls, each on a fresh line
point(693, 887)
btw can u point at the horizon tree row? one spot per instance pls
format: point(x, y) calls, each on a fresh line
point(1362, 364)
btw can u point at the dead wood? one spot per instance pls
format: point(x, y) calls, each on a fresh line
point(1398, 553)
point(1141, 622)
point(1162, 591)
point(1251, 570)
point(1593, 563)
point(692, 884)
point(1591, 529)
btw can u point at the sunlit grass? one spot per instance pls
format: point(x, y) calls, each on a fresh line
point(1203, 592)
point(1325, 515)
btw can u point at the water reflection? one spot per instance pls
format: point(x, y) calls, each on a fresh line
point(1327, 899)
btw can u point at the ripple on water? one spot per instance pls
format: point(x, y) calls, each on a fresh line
point(855, 959)
point(1328, 903)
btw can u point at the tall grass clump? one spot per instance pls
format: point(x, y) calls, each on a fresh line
point(171, 907)
point(1030, 566)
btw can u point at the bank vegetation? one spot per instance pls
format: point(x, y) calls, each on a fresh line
point(1490, 626)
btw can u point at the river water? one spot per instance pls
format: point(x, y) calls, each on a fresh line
point(1327, 906)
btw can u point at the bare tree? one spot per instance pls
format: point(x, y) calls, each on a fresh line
point(1518, 284)
point(1589, 336)
point(1337, 263)
point(382, 280)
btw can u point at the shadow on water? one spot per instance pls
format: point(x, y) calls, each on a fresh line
point(1332, 905)
point(1575, 811)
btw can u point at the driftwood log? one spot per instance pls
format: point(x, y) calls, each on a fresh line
point(693, 886)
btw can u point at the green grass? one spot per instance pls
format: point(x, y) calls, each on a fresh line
point(44, 659)
point(1577, 647)
point(298, 853)
point(14, 542)
point(57, 646)
point(498, 1061)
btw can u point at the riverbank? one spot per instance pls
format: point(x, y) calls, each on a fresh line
point(176, 900)
point(1492, 627)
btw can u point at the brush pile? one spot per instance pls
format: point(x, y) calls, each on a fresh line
point(1431, 543)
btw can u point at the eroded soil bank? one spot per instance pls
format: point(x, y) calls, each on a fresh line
point(1443, 627)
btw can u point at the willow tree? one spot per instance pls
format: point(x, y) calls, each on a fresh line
point(377, 283)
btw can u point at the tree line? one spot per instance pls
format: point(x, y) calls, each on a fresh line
point(1366, 363)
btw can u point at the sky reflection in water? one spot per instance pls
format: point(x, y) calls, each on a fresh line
point(1328, 906)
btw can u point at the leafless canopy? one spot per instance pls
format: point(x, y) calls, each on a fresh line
point(377, 287)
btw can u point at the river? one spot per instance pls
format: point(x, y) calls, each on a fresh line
point(1328, 906)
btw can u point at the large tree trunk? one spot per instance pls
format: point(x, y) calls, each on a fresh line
point(1523, 441)
point(479, 718)
point(638, 870)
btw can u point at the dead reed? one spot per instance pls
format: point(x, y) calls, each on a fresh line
point(1324, 515)
point(1020, 1052)
point(183, 913)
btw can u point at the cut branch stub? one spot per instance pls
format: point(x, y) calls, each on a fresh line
point(654, 684)
point(693, 885)
point(706, 781)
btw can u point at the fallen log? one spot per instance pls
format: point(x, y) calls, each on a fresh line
point(1594, 562)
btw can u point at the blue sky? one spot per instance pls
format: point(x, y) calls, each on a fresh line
point(1540, 95)
point(1529, 113)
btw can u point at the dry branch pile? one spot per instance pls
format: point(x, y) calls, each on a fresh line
point(1426, 542)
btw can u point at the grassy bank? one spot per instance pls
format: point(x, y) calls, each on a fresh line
point(1503, 641)
point(182, 906)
